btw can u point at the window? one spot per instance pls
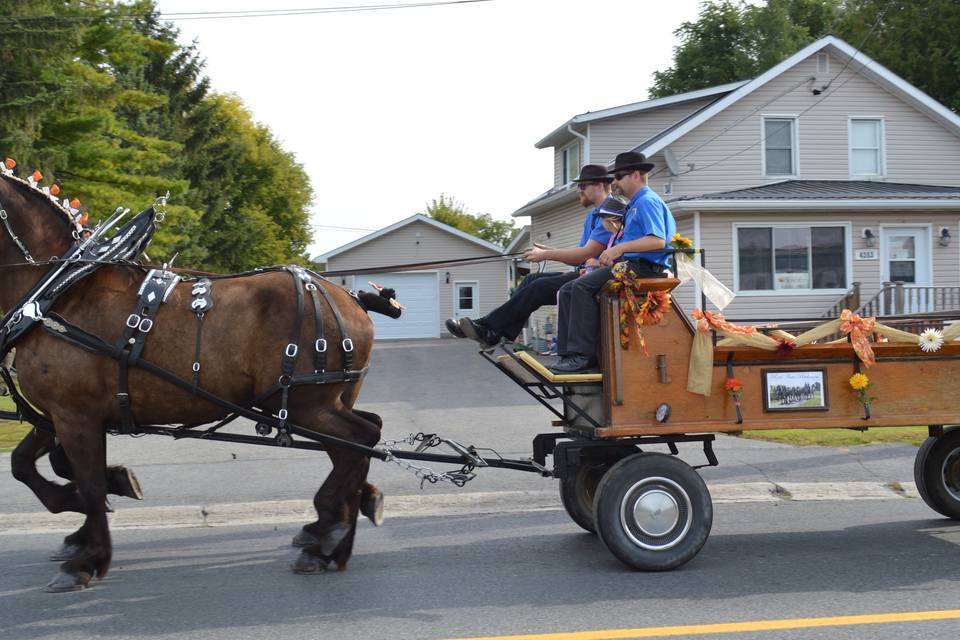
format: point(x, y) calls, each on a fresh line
point(780, 146)
point(866, 147)
point(823, 64)
point(791, 258)
point(570, 162)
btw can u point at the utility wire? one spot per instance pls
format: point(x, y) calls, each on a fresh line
point(253, 13)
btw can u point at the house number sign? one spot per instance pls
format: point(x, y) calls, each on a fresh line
point(866, 254)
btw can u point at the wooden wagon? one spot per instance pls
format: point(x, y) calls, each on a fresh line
point(653, 510)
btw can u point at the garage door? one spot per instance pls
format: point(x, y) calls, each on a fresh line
point(418, 292)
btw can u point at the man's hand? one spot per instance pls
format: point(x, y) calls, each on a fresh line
point(591, 263)
point(610, 256)
point(536, 253)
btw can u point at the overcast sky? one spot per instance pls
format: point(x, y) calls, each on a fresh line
point(388, 109)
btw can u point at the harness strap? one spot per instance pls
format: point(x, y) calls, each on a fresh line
point(320, 342)
point(346, 344)
point(196, 353)
point(291, 351)
point(16, 239)
point(57, 326)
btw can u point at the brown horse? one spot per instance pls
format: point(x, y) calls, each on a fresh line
point(244, 338)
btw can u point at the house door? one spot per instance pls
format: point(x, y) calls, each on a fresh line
point(906, 258)
point(465, 302)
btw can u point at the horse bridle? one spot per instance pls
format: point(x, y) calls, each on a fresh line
point(16, 239)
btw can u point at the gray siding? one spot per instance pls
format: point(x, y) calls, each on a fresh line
point(918, 149)
point(565, 224)
point(404, 245)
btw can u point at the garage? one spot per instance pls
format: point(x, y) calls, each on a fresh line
point(419, 293)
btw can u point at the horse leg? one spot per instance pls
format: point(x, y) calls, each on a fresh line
point(86, 453)
point(121, 481)
point(338, 500)
point(57, 498)
point(371, 498)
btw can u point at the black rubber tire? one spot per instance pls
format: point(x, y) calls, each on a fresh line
point(937, 473)
point(666, 484)
point(919, 462)
point(577, 493)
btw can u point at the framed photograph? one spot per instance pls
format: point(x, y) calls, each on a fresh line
point(795, 390)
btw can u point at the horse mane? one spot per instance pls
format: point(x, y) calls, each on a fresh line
point(24, 188)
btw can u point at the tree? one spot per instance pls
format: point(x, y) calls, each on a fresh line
point(737, 41)
point(915, 40)
point(453, 213)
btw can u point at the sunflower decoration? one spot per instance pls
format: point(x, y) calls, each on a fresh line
point(860, 384)
point(680, 241)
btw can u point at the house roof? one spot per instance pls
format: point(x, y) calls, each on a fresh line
point(728, 94)
point(864, 65)
point(518, 240)
point(826, 194)
point(419, 217)
point(562, 134)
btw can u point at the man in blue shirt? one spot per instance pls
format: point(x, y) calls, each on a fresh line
point(647, 227)
point(538, 289)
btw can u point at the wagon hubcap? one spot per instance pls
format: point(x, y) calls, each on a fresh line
point(951, 474)
point(656, 513)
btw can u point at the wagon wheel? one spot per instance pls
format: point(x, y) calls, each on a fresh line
point(653, 511)
point(577, 493)
point(937, 473)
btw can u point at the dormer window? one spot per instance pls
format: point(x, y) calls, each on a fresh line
point(569, 162)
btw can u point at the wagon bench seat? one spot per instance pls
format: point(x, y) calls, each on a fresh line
point(534, 368)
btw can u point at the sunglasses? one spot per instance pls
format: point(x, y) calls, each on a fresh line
point(582, 186)
point(620, 175)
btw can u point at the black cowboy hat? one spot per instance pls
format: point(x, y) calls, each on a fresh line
point(631, 160)
point(593, 173)
point(613, 207)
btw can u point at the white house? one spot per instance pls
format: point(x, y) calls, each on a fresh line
point(826, 172)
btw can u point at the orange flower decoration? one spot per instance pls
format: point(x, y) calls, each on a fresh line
point(36, 176)
point(75, 204)
point(859, 328)
point(54, 189)
point(734, 389)
point(83, 219)
point(9, 163)
point(707, 320)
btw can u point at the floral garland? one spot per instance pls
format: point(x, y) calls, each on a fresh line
point(633, 312)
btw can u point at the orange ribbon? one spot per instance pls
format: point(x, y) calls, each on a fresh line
point(858, 329)
point(707, 320)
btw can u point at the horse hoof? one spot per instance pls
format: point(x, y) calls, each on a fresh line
point(372, 507)
point(127, 484)
point(65, 552)
point(305, 539)
point(308, 563)
point(66, 582)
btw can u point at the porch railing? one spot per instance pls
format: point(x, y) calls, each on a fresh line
point(896, 298)
point(849, 300)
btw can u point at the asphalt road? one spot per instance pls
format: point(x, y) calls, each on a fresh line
point(503, 569)
point(501, 575)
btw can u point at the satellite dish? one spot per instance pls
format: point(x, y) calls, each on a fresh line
point(671, 161)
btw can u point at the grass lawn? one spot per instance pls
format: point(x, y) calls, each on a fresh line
point(11, 433)
point(841, 437)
